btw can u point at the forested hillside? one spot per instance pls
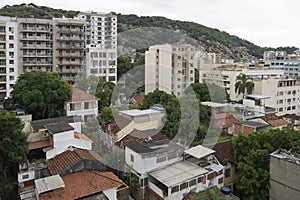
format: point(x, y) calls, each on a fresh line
point(213, 40)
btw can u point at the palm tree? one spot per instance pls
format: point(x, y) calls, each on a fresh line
point(244, 84)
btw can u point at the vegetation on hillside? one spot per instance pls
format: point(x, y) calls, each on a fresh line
point(213, 40)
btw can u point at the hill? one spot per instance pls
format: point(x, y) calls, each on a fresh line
point(213, 40)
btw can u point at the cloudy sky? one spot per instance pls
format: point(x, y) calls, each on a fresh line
point(263, 22)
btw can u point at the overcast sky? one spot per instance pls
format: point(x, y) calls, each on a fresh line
point(269, 23)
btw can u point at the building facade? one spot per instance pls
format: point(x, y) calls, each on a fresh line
point(227, 77)
point(8, 55)
point(169, 68)
point(101, 41)
point(284, 175)
point(284, 94)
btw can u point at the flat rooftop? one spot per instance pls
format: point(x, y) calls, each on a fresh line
point(213, 104)
point(135, 112)
point(287, 156)
point(49, 183)
point(159, 146)
point(257, 96)
point(199, 151)
point(178, 173)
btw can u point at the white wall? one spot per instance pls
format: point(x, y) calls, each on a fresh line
point(30, 176)
point(111, 194)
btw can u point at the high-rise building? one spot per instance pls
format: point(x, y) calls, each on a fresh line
point(69, 48)
point(35, 44)
point(8, 55)
point(169, 68)
point(101, 48)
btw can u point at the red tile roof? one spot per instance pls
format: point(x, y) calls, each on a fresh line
point(82, 137)
point(80, 95)
point(223, 151)
point(83, 184)
point(274, 120)
point(69, 158)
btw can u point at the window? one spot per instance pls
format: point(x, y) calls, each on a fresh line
point(26, 176)
point(11, 45)
point(160, 159)
point(86, 105)
point(11, 37)
point(227, 172)
point(11, 70)
point(220, 180)
point(174, 189)
point(11, 78)
point(192, 182)
point(183, 185)
point(132, 158)
point(11, 62)
point(200, 179)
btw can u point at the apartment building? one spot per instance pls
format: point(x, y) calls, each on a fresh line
point(36, 44)
point(169, 68)
point(8, 55)
point(289, 63)
point(101, 38)
point(226, 77)
point(69, 49)
point(284, 94)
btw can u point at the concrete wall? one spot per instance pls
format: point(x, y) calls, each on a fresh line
point(284, 179)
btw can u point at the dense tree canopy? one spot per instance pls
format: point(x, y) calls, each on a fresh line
point(253, 156)
point(172, 108)
point(41, 94)
point(13, 149)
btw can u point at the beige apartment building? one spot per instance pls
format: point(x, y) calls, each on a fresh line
point(226, 77)
point(169, 68)
point(284, 94)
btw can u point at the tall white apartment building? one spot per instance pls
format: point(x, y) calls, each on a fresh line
point(227, 77)
point(284, 94)
point(169, 68)
point(8, 55)
point(101, 35)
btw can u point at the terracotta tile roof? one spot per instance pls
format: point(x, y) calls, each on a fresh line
point(39, 144)
point(69, 158)
point(274, 120)
point(82, 137)
point(278, 122)
point(83, 184)
point(224, 151)
point(80, 95)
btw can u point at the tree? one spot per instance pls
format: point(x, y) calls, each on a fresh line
point(253, 156)
point(244, 84)
point(99, 87)
point(41, 94)
point(172, 108)
point(13, 149)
